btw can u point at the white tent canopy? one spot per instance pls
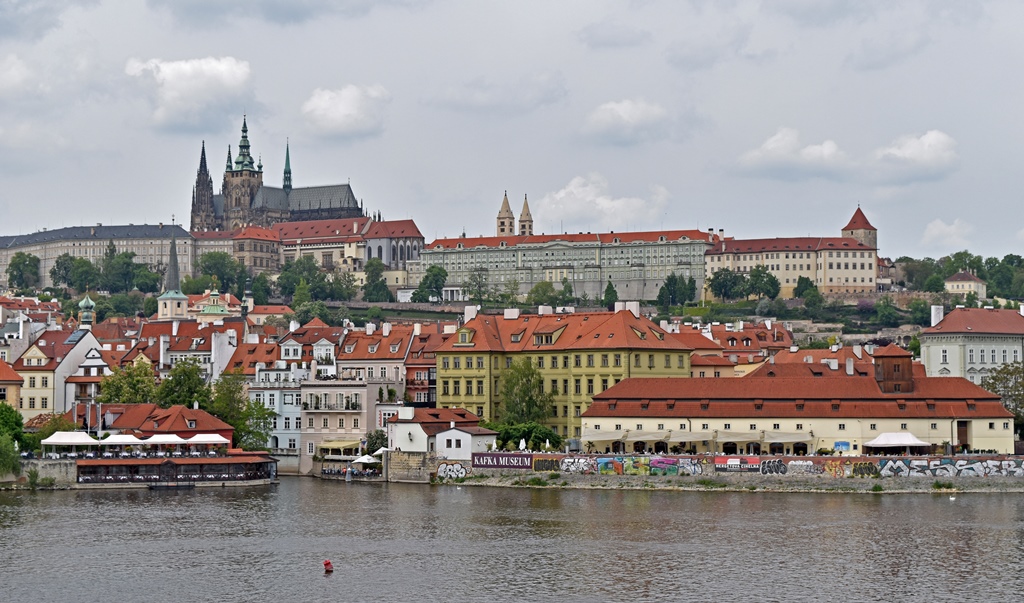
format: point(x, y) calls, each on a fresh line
point(121, 439)
point(899, 439)
point(69, 438)
point(164, 438)
point(207, 438)
point(365, 459)
point(381, 451)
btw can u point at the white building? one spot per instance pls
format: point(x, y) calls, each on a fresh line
point(972, 342)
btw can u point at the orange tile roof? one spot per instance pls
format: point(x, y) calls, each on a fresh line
point(150, 418)
point(580, 331)
point(320, 230)
point(256, 233)
point(808, 369)
point(787, 244)
point(694, 339)
point(212, 235)
point(963, 277)
point(9, 375)
point(979, 320)
point(270, 309)
point(603, 238)
point(393, 229)
point(859, 222)
point(248, 354)
point(710, 360)
point(361, 345)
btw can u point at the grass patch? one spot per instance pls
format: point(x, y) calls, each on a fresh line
point(536, 481)
point(877, 488)
point(937, 485)
point(554, 476)
point(710, 483)
point(751, 488)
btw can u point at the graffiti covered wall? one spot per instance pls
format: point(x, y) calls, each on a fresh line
point(826, 466)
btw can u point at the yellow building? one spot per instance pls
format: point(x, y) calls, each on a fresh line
point(578, 356)
point(963, 284)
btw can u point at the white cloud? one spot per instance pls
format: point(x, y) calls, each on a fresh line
point(883, 51)
point(785, 157)
point(192, 93)
point(352, 112)
point(612, 35)
point(586, 204)
point(14, 75)
point(913, 158)
point(514, 96)
point(627, 122)
point(942, 236)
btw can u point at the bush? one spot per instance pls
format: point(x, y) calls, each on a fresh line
point(536, 481)
point(710, 483)
point(877, 488)
point(937, 485)
point(33, 478)
point(554, 476)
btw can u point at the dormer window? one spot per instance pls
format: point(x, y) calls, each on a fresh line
point(350, 348)
point(192, 424)
point(394, 348)
point(373, 348)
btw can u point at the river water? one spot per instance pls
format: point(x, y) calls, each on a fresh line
point(401, 542)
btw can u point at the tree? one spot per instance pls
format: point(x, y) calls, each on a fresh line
point(184, 385)
point(971, 299)
point(261, 289)
point(375, 289)
point(476, 285)
point(10, 460)
point(934, 283)
point(433, 282)
point(566, 296)
point(343, 286)
point(920, 312)
point(762, 283)
point(813, 300)
point(84, 275)
point(196, 285)
point(301, 295)
point(522, 394)
point(727, 284)
point(509, 295)
point(1007, 382)
point(55, 424)
point(886, 313)
point(535, 434)
point(11, 422)
point(150, 306)
point(303, 268)
point(803, 285)
point(229, 271)
point(60, 274)
point(251, 419)
point(132, 384)
point(375, 440)
point(542, 294)
point(23, 270)
point(610, 295)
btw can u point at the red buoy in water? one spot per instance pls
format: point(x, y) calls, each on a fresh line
point(328, 566)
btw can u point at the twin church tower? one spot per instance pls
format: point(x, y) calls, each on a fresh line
point(507, 220)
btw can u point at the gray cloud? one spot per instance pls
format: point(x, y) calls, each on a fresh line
point(612, 35)
point(879, 52)
point(32, 19)
point(510, 96)
point(211, 14)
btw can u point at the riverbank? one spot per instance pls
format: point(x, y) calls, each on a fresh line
point(742, 482)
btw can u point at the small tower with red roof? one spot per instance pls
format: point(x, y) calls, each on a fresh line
point(859, 228)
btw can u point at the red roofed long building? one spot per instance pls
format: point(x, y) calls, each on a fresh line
point(636, 262)
point(845, 264)
point(794, 409)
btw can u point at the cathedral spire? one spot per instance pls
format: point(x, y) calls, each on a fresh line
point(525, 220)
point(173, 282)
point(228, 166)
point(287, 168)
point(506, 219)
point(244, 159)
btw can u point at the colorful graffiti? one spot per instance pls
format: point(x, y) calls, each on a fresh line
point(947, 467)
point(580, 465)
point(452, 470)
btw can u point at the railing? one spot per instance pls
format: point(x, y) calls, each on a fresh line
point(352, 406)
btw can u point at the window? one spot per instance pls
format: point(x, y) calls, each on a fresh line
point(44, 402)
point(309, 422)
point(479, 411)
point(565, 410)
point(576, 411)
point(341, 423)
point(842, 427)
point(799, 426)
point(458, 443)
point(590, 360)
point(1006, 424)
point(970, 356)
point(288, 424)
point(457, 362)
point(31, 381)
point(935, 426)
point(604, 384)
point(775, 426)
point(444, 387)
point(31, 402)
point(618, 427)
point(903, 425)
point(873, 426)
point(325, 422)
point(727, 426)
point(479, 362)
point(604, 359)
point(456, 388)
point(991, 425)
point(44, 381)
point(291, 443)
point(636, 360)
point(577, 384)
point(540, 362)
point(554, 362)
point(448, 443)
point(590, 387)
point(565, 387)
point(576, 360)
point(480, 387)
point(617, 359)
point(704, 426)
point(945, 358)
point(355, 423)
point(309, 447)
point(444, 363)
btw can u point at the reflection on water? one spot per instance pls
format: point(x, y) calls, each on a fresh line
point(406, 542)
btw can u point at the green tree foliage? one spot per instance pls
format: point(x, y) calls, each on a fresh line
point(55, 424)
point(150, 306)
point(542, 294)
point(126, 304)
point(610, 296)
point(433, 282)
point(1007, 382)
point(302, 295)
point(886, 313)
point(184, 385)
point(534, 433)
point(523, 398)
point(476, 285)
point(934, 283)
point(304, 268)
point(343, 286)
point(375, 289)
point(132, 384)
point(803, 285)
point(727, 284)
point(196, 285)
point(375, 440)
point(11, 423)
point(23, 270)
point(10, 460)
point(84, 275)
point(262, 289)
point(230, 272)
point(252, 421)
point(318, 309)
point(762, 283)
point(60, 274)
point(566, 297)
point(971, 299)
point(676, 291)
point(920, 312)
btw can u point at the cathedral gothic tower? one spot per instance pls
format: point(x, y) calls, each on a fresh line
point(506, 219)
point(525, 220)
point(241, 183)
point(202, 197)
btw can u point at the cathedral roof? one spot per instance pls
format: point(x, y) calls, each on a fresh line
point(98, 232)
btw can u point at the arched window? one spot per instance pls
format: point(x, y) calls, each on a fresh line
point(369, 253)
point(380, 253)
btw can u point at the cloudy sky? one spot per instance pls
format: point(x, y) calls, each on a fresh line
point(773, 118)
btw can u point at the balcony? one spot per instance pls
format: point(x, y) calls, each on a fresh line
point(334, 406)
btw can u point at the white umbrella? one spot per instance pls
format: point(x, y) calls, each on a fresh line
point(547, 444)
point(522, 444)
point(381, 451)
point(365, 459)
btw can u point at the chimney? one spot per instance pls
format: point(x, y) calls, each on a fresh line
point(453, 424)
point(620, 306)
point(470, 313)
point(416, 329)
point(370, 328)
point(809, 359)
point(542, 310)
point(833, 363)
point(195, 405)
point(511, 313)
point(634, 307)
point(849, 367)
point(938, 313)
point(385, 329)
point(174, 328)
point(165, 342)
point(793, 349)
point(856, 351)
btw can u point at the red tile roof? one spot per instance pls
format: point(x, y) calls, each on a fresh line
point(710, 360)
point(270, 309)
point(150, 419)
point(320, 230)
point(358, 345)
point(603, 238)
point(963, 277)
point(248, 354)
point(9, 375)
point(787, 244)
point(859, 222)
point(393, 229)
point(212, 235)
point(979, 320)
point(256, 233)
